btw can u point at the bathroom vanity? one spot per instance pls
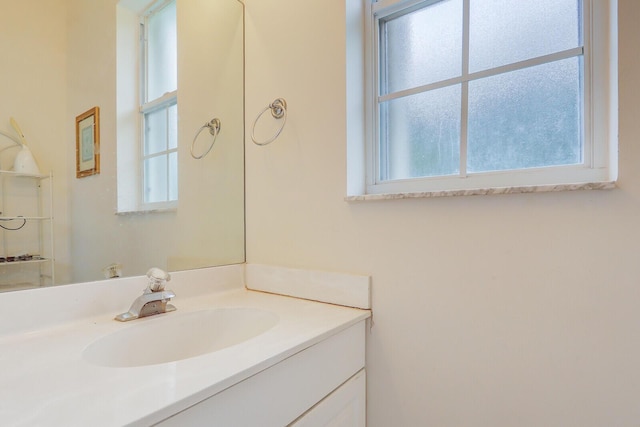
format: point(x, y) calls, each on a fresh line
point(229, 356)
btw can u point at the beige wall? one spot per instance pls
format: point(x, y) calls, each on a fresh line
point(33, 74)
point(488, 311)
point(92, 82)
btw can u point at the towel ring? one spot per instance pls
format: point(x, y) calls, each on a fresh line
point(278, 111)
point(214, 129)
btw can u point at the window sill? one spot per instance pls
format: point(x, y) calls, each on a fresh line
point(608, 185)
point(146, 211)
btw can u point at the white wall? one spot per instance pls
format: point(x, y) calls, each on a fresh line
point(488, 310)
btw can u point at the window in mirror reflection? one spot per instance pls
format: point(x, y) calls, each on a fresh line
point(159, 165)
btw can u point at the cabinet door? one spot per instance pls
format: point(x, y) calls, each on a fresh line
point(344, 407)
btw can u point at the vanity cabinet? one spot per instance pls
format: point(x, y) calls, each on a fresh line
point(322, 385)
point(26, 230)
point(307, 369)
point(344, 407)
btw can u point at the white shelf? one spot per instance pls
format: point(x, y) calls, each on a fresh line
point(33, 198)
point(29, 261)
point(24, 175)
point(28, 218)
point(6, 287)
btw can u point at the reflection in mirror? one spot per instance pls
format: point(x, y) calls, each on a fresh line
point(61, 58)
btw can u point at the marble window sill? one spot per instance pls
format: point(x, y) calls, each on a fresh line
point(609, 185)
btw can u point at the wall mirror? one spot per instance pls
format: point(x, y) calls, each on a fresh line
point(61, 58)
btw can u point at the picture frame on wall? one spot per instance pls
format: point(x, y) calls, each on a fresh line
point(88, 143)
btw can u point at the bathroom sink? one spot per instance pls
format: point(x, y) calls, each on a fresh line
point(176, 336)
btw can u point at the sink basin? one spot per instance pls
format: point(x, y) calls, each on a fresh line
point(176, 336)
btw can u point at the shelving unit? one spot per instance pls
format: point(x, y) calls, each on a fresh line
point(26, 231)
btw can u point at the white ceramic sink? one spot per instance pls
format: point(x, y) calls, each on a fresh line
point(176, 336)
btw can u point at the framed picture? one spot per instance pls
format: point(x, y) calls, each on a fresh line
point(88, 143)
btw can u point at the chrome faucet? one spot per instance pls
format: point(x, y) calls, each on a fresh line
point(154, 298)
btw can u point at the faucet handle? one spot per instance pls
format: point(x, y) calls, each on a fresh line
point(157, 279)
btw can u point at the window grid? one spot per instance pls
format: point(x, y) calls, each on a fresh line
point(383, 12)
point(169, 148)
point(464, 101)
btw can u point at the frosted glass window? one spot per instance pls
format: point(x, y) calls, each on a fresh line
point(526, 119)
point(422, 47)
point(173, 126)
point(173, 176)
point(426, 129)
point(475, 87)
point(162, 74)
point(507, 31)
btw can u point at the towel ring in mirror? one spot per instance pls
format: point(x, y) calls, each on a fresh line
point(214, 129)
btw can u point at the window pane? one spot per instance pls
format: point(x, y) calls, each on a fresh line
point(173, 126)
point(162, 52)
point(421, 47)
point(155, 179)
point(173, 174)
point(420, 135)
point(527, 118)
point(507, 31)
point(155, 138)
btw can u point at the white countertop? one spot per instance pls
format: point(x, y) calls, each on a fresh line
point(44, 380)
